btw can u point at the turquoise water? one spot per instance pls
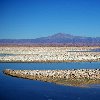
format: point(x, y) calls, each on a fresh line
point(12, 88)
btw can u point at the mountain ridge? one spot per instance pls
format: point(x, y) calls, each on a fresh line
point(59, 38)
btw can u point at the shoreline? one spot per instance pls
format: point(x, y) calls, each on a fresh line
point(73, 77)
point(71, 61)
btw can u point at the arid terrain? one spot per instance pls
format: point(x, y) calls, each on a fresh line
point(49, 54)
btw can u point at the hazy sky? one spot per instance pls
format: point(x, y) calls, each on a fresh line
point(36, 18)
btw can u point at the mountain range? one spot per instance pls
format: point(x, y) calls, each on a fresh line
point(56, 39)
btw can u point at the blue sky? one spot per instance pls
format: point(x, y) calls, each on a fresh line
point(39, 18)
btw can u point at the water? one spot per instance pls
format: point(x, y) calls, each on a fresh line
point(95, 50)
point(12, 88)
point(7, 54)
point(91, 50)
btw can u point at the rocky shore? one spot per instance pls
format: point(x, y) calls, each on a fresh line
point(74, 77)
point(48, 54)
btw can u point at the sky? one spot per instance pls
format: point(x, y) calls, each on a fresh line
point(29, 19)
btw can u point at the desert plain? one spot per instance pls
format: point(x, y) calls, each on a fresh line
point(49, 54)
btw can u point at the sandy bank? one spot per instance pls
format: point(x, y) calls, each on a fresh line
point(73, 77)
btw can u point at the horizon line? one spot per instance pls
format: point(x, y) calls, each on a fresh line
point(52, 35)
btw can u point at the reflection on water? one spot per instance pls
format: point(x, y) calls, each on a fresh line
point(94, 86)
point(12, 88)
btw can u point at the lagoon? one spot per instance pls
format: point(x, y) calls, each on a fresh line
point(12, 88)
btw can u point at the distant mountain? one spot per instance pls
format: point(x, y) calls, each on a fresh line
point(56, 39)
point(63, 38)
